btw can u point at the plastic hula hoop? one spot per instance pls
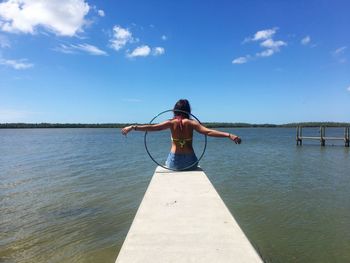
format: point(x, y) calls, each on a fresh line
point(150, 155)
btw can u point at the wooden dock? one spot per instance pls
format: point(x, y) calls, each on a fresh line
point(322, 138)
point(183, 219)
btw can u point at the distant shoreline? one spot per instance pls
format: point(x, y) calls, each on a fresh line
point(208, 124)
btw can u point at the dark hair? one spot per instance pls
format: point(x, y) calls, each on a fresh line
point(182, 105)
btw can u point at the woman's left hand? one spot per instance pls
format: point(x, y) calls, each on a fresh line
point(235, 138)
point(126, 130)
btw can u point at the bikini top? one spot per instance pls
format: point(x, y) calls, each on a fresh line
point(181, 142)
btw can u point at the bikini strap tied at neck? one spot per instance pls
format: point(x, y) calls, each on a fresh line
point(179, 118)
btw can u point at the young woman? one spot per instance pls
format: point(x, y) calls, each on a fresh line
point(181, 154)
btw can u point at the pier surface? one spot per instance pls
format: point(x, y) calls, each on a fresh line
point(183, 219)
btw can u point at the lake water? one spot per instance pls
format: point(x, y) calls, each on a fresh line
point(70, 195)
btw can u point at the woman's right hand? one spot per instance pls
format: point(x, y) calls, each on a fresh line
point(126, 130)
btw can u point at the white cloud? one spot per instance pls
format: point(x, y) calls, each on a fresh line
point(16, 64)
point(348, 88)
point(306, 40)
point(265, 37)
point(274, 45)
point(339, 54)
point(90, 49)
point(64, 17)
point(264, 34)
point(142, 51)
point(101, 13)
point(240, 60)
point(65, 49)
point(121, 36)
point(164, 37)
point(266, 53)
point(4, 42)
point(339, 51)
point(157, 51)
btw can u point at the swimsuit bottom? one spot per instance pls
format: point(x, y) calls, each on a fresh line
point(178, 161)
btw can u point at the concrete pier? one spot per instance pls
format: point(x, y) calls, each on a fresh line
point(183, 219)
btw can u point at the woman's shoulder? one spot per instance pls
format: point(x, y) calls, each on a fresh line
point(190, 122)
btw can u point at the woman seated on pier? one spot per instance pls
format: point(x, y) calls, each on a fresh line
point(181, 126)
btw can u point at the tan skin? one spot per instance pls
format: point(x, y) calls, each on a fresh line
point(186, 132)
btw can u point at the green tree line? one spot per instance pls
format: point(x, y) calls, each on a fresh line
point(208, 124)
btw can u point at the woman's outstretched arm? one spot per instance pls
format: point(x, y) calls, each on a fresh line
point(147, 127)
point(215, 133)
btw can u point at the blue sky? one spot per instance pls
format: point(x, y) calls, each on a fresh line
point(125, 61)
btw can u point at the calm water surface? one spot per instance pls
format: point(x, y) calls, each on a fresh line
point(69, 195)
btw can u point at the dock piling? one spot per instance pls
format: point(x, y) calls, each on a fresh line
point(322, 138)
point(323, 135)
point(299, 135)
